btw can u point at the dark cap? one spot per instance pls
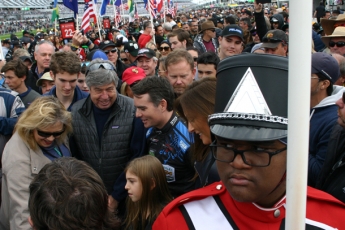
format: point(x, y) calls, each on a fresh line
point(247, 106)
point(245, 11)
point(106, 44)
point(273, 38)
point(132, 48)
point(25, 58)
point(7, 40)
point(146, 52)
point(25, 32)
point(326, 65)
point(16, 44)
point(232, 30)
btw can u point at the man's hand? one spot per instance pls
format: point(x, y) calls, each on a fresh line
point(78, 39)
point(112, 204)
point(257, 7)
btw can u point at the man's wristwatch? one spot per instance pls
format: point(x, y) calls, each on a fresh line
point(74, 47)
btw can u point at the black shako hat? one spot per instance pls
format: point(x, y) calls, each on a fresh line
point(251, 98)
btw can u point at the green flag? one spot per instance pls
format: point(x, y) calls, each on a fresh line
point(131, 5)
point(55, 13)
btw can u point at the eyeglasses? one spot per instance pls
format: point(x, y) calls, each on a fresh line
point(338, 44)
point(98, 66)
point(165, 48)
point(195, 59)
point(112, 51)
point(47, 134)
point(85, 64)
point(253, 157)
point(213, 30)
point(124, 59)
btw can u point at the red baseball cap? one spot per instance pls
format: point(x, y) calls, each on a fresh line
point(133, 74)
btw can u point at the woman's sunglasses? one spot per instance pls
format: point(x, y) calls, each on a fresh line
point(47, 134)
point(165, 48)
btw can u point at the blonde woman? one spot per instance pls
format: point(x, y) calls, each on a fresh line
point(40, 136)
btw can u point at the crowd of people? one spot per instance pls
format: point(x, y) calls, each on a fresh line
point(175, 123)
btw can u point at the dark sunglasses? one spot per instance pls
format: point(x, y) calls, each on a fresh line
point(195, 59)
point(254, 33)
point(165, 48)
point(124, 59)
point(338, 44)
point(46, 134)
point(98, 66)
point(112, 51)
point(213, 31)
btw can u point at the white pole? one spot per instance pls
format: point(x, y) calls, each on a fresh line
point(115, 14)
point(164, 8)
point(298, 107)
point(55, 25)
point(1, 53)
point(77, 22)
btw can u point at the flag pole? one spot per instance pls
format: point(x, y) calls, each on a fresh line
point(55, 25)
point(164, 9)
point(77, 21)
point(121, 9)
point(150, 12)
point(97, 18)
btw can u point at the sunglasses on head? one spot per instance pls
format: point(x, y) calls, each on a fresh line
point(47, 134)
point(165, 48)
point(338, 44)
point(98, 66)
point(112, 51)
point(85, 64)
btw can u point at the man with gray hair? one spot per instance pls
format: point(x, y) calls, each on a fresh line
point(147, 60)
point(105, 132)
point(44, 50)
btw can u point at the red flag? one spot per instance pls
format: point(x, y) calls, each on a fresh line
point(159, 5)
point(88, 13)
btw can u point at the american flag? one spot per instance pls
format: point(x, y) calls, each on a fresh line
point(124, 5)
point(88, 13)
point(153, 8)
point(118, 16)
point(171, 8)
point(136, 15)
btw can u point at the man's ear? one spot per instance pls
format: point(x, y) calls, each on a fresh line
point(52, 75)
point(163, 104)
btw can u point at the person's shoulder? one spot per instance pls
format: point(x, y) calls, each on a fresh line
point(78, 104)
point(214, 189)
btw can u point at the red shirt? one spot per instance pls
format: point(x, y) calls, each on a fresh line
point(143, 40)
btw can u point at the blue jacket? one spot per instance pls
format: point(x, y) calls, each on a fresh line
point(78, 95)
point(322, 120)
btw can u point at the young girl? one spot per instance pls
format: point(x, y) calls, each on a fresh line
point(147, 190)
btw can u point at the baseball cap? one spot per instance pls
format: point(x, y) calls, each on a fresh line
point(106, 44)
point(45, 76)
point(232, 30)
point(7, 40)
point(146, 52)
point(245, 11)
point(326, 65)
point(96, 54)
point(273, 37)
point(25, 58)
point(132, 48)
point(133, 74)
